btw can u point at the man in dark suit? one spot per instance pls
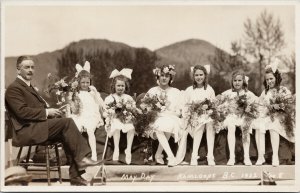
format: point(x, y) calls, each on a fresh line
point(35, 122)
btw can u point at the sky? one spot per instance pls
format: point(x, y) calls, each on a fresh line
point(33, 29)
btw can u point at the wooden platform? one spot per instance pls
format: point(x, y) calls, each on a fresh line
point(185, 173)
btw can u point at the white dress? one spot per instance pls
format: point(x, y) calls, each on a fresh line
point(197, 95)
point(168, 120)
point(114, 123)
point(233, 119)
point(265, 122)
point(89, 117)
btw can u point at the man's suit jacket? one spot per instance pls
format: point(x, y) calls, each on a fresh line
point(28, 114)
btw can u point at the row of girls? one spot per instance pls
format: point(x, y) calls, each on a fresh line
point(176, 120)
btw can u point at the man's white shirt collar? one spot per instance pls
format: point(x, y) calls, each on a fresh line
point(26, 81)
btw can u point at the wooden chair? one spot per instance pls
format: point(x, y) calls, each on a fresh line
point(54, 166)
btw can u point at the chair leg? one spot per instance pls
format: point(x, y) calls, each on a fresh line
point(28, 156)
point(58, 162)
point(18, 156)
point(48, 163)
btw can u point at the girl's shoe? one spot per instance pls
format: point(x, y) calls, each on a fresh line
point(231, 162)
point(116, 156)
point(94, 158)
point(211, 161)
point(260, 161)
point(159, 159)
point(194, 160)
point(247, 161)
point(275, 161)
point(172, 162)
point(127, 157)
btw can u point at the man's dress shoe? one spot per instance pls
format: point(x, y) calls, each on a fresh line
point(86, 162)
point(78, 181)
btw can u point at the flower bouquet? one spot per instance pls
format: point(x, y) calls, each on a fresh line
point(65, 92)
point(221, 104)
point(205, 107)
point(124, 110)
point(246, 110)
point(150, 106)
point(282, 106)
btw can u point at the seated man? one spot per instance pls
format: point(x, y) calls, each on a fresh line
point(30, 118)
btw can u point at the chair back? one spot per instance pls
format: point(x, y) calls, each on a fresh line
point(11, 129)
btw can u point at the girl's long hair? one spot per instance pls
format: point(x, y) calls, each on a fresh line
point(236, 73)
point(277, 76)
point(205, 82)
point(121, 78)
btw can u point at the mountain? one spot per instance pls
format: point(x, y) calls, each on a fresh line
point(187, 53)
point(47, 62)
point(110, 55)
point(88, 46)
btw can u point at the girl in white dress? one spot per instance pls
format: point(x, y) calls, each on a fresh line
point(234, 119)
point(168, 122)
point(197, 93)
point(275, 126)
point(113, 126)
point(88, 117)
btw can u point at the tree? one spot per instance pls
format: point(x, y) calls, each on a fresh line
point(263, 41)
point(290, 78)
point(142, 76)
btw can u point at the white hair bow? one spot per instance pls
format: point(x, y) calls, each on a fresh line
point(207, 67)
point(79, 68)
point(246, 79)
point(125, 72)
point(273, 66)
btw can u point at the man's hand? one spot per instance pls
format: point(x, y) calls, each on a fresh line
point(54, 112)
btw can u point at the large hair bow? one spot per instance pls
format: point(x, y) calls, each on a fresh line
point(273, 65)
point(246, 79)
point(79, 68)
point(124, 72)
point(207, 67)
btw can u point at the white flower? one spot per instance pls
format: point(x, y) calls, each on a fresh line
point(166, 70)
point(209, 112)
point(69, 96)
point(139, 111)
point(119, 105)
point(149, 108)
point(163, 108)
point(58, 92)
point(143, 106)
point(105, 114)
point(64, 84)
point(158, 105)
point(128, 106)
point(111, 111)
point(156, 71)
point(74, 84)
point(172, 67)
point(204, 107)
point(248, 109)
